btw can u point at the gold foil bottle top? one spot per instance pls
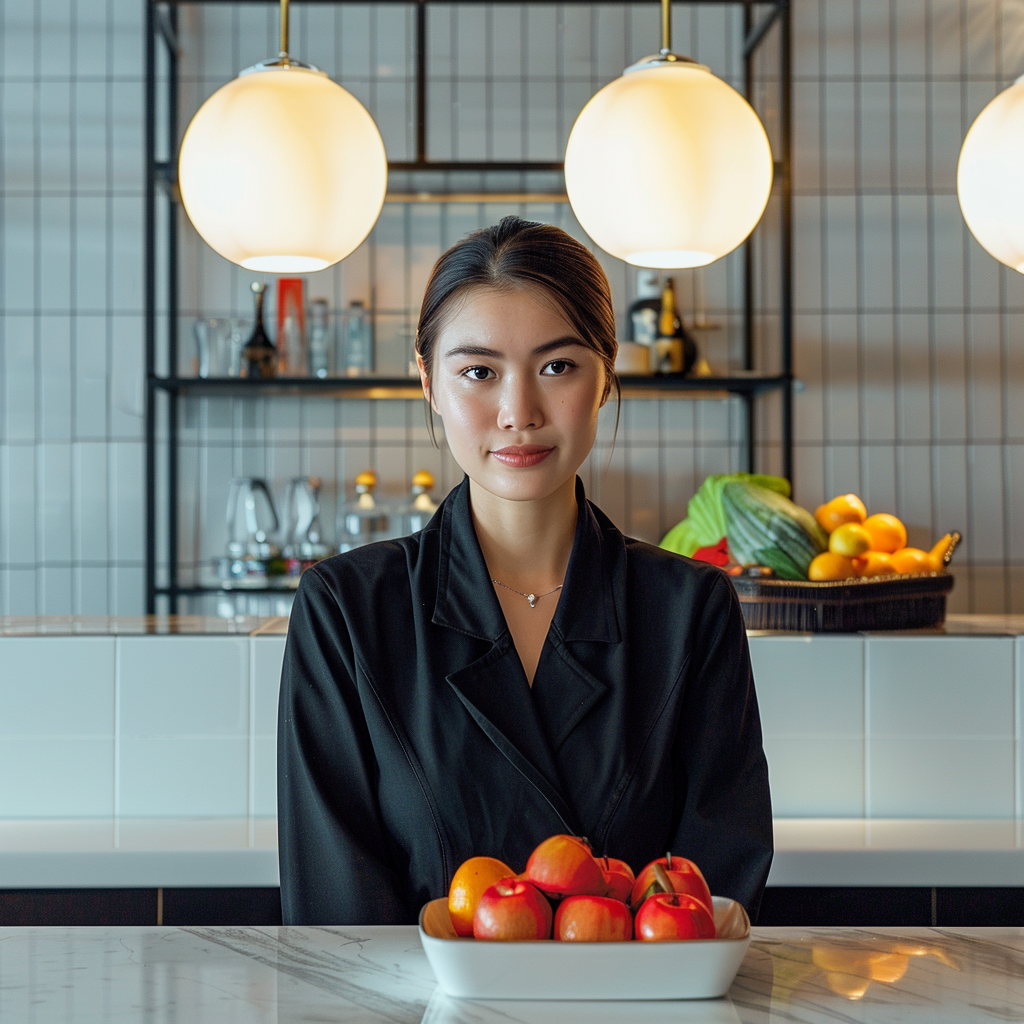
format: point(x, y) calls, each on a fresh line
point(423, 479)
point(366, 479)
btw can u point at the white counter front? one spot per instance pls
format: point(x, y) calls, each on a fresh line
point(138, 753)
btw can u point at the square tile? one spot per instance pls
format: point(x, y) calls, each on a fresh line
point(939, 687)
point(50, 777)
point(183, 775)
point(815, 776)
point(949, 777)
point(178, 687)
point(809, 686)
point(56, 686)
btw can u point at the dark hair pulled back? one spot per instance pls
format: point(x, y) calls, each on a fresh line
point(516, 253)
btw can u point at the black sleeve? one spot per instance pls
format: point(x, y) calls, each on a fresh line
point(726, 824)
point(333, 844)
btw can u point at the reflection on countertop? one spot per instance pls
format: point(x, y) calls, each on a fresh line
point(213, 625)
point(359, 973)
point(142, 625)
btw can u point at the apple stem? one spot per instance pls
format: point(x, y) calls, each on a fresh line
point(668, 860)
point(661, 879)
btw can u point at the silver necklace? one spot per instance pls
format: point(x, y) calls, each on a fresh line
point(532, 598)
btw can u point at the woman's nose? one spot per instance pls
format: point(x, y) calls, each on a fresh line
point(520, 405)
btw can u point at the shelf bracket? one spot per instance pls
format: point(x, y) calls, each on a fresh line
point(753, 41)
point(165, 29)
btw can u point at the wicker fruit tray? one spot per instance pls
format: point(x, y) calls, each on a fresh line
point(844, 606)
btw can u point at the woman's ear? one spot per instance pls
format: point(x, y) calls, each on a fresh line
point(425, 382)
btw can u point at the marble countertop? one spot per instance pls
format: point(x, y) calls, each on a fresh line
point(212, 625)
point(207, 975)
point(40, 853)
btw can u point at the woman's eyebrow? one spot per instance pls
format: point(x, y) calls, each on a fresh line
point(480, 350)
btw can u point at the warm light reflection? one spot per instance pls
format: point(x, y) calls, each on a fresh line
point(847, 968)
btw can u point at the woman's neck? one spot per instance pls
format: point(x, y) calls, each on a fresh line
point(526, 544)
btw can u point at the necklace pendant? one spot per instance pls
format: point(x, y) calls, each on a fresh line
point(532, 600)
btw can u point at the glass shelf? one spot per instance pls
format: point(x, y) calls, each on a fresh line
point(736, 383)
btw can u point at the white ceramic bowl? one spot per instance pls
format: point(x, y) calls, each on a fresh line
point(694, 969)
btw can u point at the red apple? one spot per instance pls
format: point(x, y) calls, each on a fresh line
point(618, 876)
point(564, 866)
point(684, 875)
point(673, 916)
point(512, 910)
point(593, 919)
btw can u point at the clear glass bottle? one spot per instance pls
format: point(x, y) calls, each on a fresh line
point(319, 339)
point(357, 356)
point(417, 511)
point(362, 519)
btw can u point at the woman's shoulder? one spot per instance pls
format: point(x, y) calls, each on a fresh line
point(373, 568)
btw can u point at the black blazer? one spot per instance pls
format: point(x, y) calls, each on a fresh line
point(409, 739)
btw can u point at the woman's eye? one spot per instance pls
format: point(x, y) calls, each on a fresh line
point(560, 366)
point(474, 371)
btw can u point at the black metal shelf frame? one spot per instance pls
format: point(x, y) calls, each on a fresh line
point(161, 30)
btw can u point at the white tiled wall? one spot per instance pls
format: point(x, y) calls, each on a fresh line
point(138, 726)
point(878, 726)
point(891, 726)
point(905, 328)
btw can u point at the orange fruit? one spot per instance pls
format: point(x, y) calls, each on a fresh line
point(850, 539)
point(874, 563)
point(911, 560)
point(845, 508)
point(830, 566)
point(887, 532)
point(468, 885)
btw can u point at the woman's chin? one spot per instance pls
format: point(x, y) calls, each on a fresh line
point(522, 483)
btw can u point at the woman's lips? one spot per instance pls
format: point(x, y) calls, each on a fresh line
point(522, 455)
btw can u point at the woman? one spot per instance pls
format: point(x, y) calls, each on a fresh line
point(518, 668)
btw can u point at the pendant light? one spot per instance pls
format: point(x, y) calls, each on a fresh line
point(989, 175)
point(668, 166)
point(282, 170)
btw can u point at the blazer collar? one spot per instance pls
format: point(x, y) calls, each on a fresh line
point(591, 605)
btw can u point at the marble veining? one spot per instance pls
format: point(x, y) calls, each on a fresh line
point(202, 975)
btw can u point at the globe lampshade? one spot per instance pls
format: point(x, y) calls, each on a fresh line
point(282, 170)
point(668, 166)
point(989, 176)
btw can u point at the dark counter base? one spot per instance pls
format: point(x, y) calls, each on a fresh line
point(853, 907)
point(897, 908)
point(140, 907)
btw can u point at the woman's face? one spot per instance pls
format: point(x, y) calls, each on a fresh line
point(518, 390)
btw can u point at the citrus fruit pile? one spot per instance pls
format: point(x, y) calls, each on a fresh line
point(875, 545)
point(567, 893)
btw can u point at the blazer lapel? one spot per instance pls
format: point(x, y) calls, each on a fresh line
point(589, 611)
point(494, 691)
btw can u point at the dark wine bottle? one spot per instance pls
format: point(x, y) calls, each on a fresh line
point(674, 350)
point(259, 356)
